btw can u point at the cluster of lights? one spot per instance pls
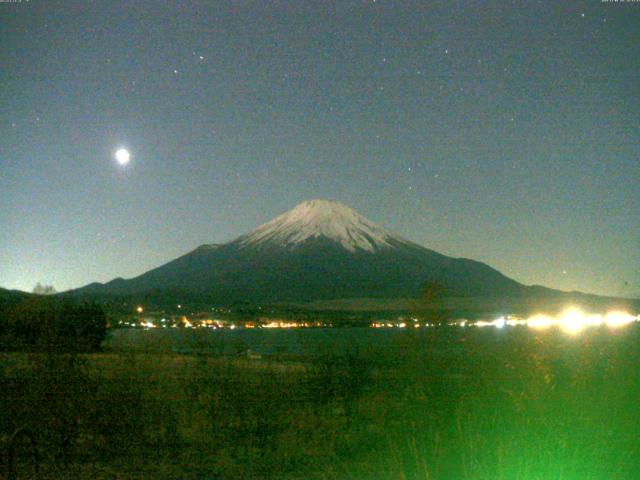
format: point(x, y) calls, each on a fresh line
point(572, 320)
point(415, 324)
point(497, 323)
point(281, 324)
point(215, 324)
point(401, 323)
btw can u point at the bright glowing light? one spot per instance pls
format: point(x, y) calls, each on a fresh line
point(139, 309)
point(123, 156)
point(617, 319)
point(514, 321)
point(571, 320)
point(593, 320)
point(498, 323)
point(540, 322)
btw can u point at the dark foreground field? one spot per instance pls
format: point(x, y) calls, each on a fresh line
point(448, 403)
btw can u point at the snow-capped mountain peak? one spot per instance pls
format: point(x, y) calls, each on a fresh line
point(322, 218)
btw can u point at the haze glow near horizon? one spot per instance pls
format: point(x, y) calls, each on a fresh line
point(505, 135)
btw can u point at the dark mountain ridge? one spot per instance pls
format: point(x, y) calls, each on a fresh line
point(320, 250)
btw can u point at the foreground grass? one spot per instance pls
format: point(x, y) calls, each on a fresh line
point(450, 404)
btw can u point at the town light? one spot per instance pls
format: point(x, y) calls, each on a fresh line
point(617, 319)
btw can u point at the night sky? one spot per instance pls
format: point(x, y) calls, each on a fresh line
point(506, 132)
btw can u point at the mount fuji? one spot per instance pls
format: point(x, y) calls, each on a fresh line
point(319, 250)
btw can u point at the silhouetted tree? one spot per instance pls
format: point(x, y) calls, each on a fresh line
point(40, 289)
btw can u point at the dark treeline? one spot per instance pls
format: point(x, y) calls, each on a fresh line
point(49, 324)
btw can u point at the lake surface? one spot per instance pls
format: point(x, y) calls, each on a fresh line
point(314, 341)
point(293, 341)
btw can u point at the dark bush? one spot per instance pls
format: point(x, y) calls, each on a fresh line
point(44, 324)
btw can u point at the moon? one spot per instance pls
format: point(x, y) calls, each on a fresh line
point(122, 156)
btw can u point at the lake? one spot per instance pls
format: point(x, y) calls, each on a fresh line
point(313, 341)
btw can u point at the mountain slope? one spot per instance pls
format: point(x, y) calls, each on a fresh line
point(318, 250)
point(11, 298)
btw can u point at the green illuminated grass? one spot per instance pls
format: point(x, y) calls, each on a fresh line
point(448, 404)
